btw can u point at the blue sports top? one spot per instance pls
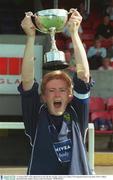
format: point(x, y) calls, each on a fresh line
point(36, 120)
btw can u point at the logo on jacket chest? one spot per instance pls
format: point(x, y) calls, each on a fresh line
point(63, 150)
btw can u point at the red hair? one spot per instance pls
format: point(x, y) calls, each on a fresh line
point(56, 75)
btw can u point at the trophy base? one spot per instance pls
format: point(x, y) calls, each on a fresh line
point(55, 65)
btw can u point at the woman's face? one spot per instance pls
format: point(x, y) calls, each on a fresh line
point(56, 96)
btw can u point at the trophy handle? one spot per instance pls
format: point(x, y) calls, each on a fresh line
point(72, 10)
point(30, 14)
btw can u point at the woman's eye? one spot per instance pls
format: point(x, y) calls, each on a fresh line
point(63, 90)
point(51, 90)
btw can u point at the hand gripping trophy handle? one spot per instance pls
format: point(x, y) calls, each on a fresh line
point(52, 21)
point(30, 14)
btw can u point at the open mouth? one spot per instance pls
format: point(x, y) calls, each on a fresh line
point(57, 104)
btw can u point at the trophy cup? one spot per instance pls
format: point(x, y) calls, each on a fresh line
point(52, 21)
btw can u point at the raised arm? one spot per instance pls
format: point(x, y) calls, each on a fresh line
point(27, 74)
point(81, 61)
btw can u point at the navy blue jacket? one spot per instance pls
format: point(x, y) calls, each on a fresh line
point(35, 115)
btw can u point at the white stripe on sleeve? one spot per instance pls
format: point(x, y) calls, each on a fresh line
point(81, 96)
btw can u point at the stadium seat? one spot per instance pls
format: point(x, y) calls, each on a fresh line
point(60, 43)
point(96, 104)
point(109, 103)
point(106, 43)
point(111, 112)
point(111, 63)
point(103, 124)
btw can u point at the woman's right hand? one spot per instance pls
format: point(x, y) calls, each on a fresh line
point(27, 25)
point(74, 21)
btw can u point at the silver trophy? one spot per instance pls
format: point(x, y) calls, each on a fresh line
point(52, 21)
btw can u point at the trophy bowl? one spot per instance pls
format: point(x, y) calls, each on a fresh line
point(52, 21)
point(46, 19)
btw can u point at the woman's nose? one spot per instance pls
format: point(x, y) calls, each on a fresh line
point(57, 93)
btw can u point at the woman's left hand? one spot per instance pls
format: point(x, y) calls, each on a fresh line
point(74, 21)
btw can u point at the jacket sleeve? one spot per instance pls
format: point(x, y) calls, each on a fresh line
point(80, 102)
point(30, 107)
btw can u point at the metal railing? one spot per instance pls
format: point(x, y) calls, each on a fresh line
point(91, 145)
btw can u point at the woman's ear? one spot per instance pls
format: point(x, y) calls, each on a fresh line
point(70, 97)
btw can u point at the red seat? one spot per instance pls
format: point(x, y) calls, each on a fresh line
point(96, 23)
point(60, 43)
point(106, 43)
point(109, 103)
point(111, 112)
point(86, 25)
point(96, 104)
point(88, 35)
point(106, 115)
point(111, 63)
point(100, 114)
point(107, 118)
point(88, 43)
